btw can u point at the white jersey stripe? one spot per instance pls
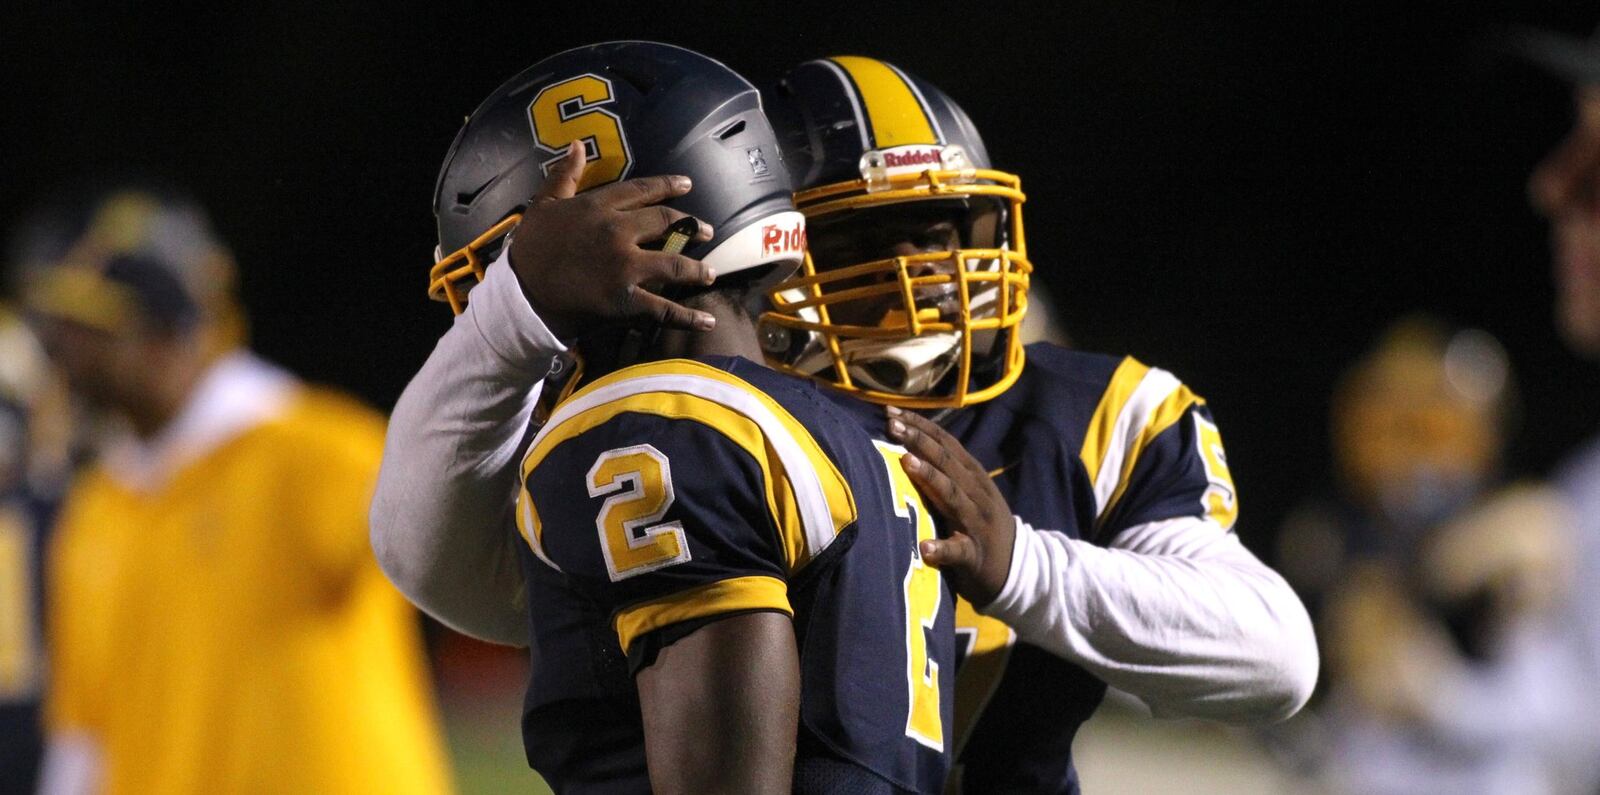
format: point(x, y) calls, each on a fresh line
point(1136, 414)
point(809, 496)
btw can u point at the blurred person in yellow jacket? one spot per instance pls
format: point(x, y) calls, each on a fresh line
point(216, 622)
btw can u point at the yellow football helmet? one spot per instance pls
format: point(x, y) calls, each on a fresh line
point(1419, 423)
point(916, 279)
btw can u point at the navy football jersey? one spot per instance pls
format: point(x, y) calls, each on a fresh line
point(668, 494)
point(1087, 445)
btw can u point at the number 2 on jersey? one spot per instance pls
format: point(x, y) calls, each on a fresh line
point(923, 591)
point(639, 482)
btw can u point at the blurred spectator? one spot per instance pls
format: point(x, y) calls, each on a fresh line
point(1437, 589)
point(32, 470)
point(1566, 190)
point(216, 621)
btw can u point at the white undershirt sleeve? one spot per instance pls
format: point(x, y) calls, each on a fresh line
point(1177, 613)
point(441, 520)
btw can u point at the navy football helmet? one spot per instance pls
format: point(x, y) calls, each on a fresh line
point(640, 109)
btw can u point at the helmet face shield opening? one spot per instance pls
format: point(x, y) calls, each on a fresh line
point(914, 287)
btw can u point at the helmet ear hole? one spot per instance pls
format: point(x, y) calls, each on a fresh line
point(466, 198)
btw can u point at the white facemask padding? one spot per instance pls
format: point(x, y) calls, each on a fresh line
point(919, 363)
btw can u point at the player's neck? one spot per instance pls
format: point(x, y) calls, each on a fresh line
point(734, 335)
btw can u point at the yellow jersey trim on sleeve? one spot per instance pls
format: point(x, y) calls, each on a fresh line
point(528, 524)
point(724, 596)
point(1139, 403)
point(1098, 439)
point(809, 500)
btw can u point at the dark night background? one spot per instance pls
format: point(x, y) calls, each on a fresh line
point(1242, 195)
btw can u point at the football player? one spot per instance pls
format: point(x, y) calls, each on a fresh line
point(715, 555)
point(1137, 582)
point(912, 297)
point(1565, 189)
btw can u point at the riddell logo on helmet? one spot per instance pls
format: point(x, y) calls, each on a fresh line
point(776, 239)
point(915, 157)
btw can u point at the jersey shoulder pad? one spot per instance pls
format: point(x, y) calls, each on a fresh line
point(680, 471)
point(1151, 451)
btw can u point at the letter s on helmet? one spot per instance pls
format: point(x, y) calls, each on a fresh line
point(861, 135)
point(640, 109)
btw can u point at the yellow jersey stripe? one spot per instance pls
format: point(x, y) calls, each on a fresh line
point(809, 500)
point(988, 642)
point(19, 659)
point(1139, 403)
point(724, 596)
point(1164, 416)
point(1103, 424)
point(896, 116)
point(528, 525)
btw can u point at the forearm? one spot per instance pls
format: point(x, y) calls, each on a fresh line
point(441, 518)
point(1180, 615)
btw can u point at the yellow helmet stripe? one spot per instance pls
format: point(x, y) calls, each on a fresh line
point(938, 133)
point(893, 110)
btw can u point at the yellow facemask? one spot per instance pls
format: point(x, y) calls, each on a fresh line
point(914, 356)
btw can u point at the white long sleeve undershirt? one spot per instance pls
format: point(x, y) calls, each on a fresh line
point(1177, 613)
point(441, 520)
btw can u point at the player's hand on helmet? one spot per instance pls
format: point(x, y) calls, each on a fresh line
point(581, 258)
point(976, 553)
